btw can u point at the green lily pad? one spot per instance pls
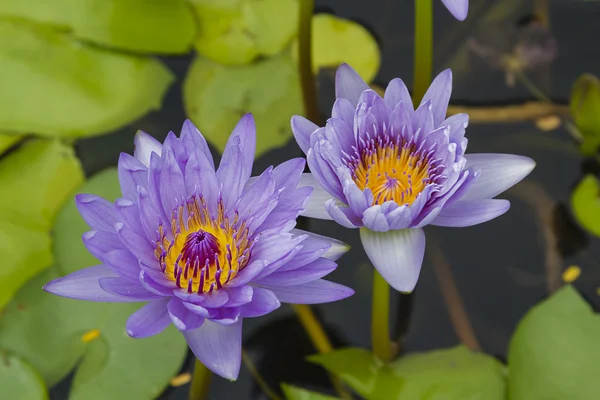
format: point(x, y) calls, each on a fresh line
point(554, 352)
point(69, 251)
point(585, 109)
point(19, 380)
point(296, 393)
point(338, 40)
point(36, 180)
point(449, 374)
point(238, 31)
point(53, 85)
point(51, 333)
point(585, 202)
point(156, 26)
point(7, 141)
point(217, 96)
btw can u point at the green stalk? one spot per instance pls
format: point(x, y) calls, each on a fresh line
point(200, 382)
point(307, 79)
point(423, 65)
point(380, 323)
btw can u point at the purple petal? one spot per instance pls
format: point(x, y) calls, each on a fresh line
point(458, 8)
point(245, 130)
point(129, 213)
point(150, 216)
point(239, 296)
point(191, 133)
point(155, 282)
point(348, 84)
point(458, 124)
point(333, 248)
point(397, 255)
point(498, 173)
point(219, 347)
point(375, 220)
point(182, 318)
point(138, 245)
point(322, 162)
point(358, 200)
point(423, 119)
point(395, 93)
point(200, 179)
point(132, 174)
point(232, 175)
point(288, 174)
point(145, 145)
point(121, 287)
point(263, 302)
point(315, 292)
point(149, 320)
point(342, 215)
point(439, 94)
point(172, 186)
point(99, 243)
point(302, 129)
point(124, 264)
point(315, 206)
point(83, 285)
point(226, 315)
point(249, 272)
point(344, 110)
point(97, 212)
point(307, 273)
point(468, 213)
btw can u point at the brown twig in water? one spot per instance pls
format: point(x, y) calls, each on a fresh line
point(454, 303)
point(529, 111)
point(535, 196)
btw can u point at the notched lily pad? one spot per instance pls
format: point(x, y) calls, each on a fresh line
point(238, 31)
point(156, 26)
point(216, 96)
point(53, 85)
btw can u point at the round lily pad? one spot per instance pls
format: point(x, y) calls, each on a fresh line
point(19, 380)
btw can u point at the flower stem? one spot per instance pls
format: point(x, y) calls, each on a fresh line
point(319, 338)
point(380, 324)
point(200, 382)
point(423, 64)
point(307, 79)
point(258, 378)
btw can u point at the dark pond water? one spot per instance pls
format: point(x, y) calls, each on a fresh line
point(499, 267)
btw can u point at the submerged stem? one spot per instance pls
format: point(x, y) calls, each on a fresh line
point(200, 382)
point(307, 79)
point(319, 338)
point(423, 63)
point(380, 323)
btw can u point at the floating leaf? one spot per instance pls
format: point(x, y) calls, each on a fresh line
point(238, 31)
point(585, 201)
point(338, 40)
point(452, 374)
point(156, 26)
point(216, 96)
point(53, 85)
point(49, 331)
point(19, 380)
point(296, 393)
point(554, 352)
point(69, 251)
point(36, 180)
point(7, 141)
point(585, 109)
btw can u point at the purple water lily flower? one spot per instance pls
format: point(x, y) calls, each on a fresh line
point(383, 167)
point(204, 247)
point(458, 8)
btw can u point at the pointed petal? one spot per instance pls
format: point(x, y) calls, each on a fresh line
point(342, 215)
point(138, 245)
point(263, 302)
point(172, 186)
point(397, 255)
point(498, 173)
point(99, 243)
point(124, 264)
point(189, 131)
point(144, 146)
point(439, 93)
point(458, 8)
point(395, 93)
point(348, 84)
point(315, 206)
point(219, 347)
point(343, 110)
point(302, 129)
point(149, 320)
point(125, 288)
point(83, 285)
point(468, 213)
point(244, 136)
point(97, 212)
point(315, 292)
point(232, 175)
point(132, 174)
point(183, 318)
point(307, 273)
point(337, 249)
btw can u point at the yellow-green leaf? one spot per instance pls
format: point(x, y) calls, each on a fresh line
point(35, 179)
point(7, 141)
point(585, 202)
point(216, 96)
point(585, 109)
point(553, 354)
point(155, 26)
point(296, 393)
point(238, 31)
point(337, 40)
point(53, 85)
point(19, 380)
